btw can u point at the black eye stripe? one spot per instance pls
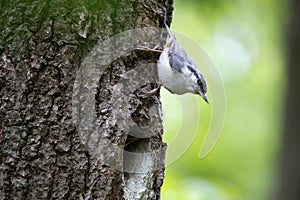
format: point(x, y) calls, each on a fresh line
point(199, 82)
point(199, 78)
point(193, 71)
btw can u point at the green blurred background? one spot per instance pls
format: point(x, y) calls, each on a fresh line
point(245, 41)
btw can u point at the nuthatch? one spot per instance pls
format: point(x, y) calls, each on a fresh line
point(177, 72)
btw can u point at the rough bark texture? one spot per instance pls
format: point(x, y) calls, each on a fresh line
point(43, 44)
point(289, 179)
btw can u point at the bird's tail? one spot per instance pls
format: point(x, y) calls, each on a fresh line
point(171, 37)
point(173, 45)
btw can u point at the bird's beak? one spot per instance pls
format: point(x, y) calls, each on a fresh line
point(204, 96)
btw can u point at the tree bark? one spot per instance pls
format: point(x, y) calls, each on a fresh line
point(48, 150)
point(289, 178)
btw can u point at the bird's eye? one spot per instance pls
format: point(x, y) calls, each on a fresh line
point(199, 83)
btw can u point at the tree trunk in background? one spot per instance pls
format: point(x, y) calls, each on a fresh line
point(289, 179)
point(43, 45)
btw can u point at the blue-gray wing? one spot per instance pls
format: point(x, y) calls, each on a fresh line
point(176, 62)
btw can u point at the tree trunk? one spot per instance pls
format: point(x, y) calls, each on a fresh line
point(289, 179)
point(72, 127)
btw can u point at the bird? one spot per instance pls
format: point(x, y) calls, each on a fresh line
point(177, 72)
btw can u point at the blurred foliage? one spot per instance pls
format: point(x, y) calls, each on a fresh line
point(244, 39)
